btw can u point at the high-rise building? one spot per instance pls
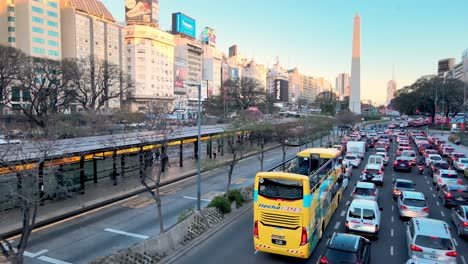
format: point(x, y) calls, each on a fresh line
point(355, 87)
point(391, 89)
point(444, 66)
point(342, 84)
point(32, 26)
point(142, 12)
point(212, 64)
point(257, 71)
point(150, 62)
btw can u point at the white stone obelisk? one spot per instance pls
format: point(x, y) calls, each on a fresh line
point(355, 83)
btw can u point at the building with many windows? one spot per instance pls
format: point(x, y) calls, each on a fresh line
point(342, 85)
point(33, 26)
point(150, 62)
point(257, 71)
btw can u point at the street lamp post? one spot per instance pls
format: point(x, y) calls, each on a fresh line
point(199, 150)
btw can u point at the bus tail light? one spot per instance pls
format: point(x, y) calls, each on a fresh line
point(304, 236)
point(256, 229)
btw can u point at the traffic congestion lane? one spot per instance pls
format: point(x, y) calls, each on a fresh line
point(391, 247)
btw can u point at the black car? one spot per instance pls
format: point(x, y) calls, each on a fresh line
point(454, 194)
point(402, 164)
point(347, 248)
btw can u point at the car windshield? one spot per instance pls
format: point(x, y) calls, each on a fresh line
point(350, 157)
point(371, 171)
point(406, 185)
point(436, 158)
point(464, 161)
point(449, 175)
point(414, 202)
point(280, 188)
point(340, 256)
point(409, 154)
point(363, 191)
point(458, 188)
point(434, 242)
point(441, 165)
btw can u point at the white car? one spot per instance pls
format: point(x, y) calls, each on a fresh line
point(373, 173)
point(461, 164)
point(431, 158)
point(352, 160)
point(444, 177)
point(381, 150)
point(384, 156)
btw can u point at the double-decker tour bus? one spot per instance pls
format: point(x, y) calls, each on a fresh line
point(294, 202)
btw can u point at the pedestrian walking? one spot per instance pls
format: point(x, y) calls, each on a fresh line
point(157, 154)
point(164, 162)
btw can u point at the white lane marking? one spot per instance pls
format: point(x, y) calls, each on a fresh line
point(391, 232)
point(433, 195)
point(391, 250)
point(328, 240)
point(195, 198)
point(126, 233)
point(33, 255)
point(442, 213)
point(256, 251)
point(343, 213)
point(437, 202)
point(430, 188)
point(427, 182)
point(52, 260)
point(392, 218)
point(393, 208)
point(348, 203)
point(337, 224)
point(455, 242)
point(463, 259)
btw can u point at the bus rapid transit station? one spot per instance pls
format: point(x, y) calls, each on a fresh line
point(71, 163)
point(294, 202)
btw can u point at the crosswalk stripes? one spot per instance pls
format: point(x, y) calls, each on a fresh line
point(139, 202)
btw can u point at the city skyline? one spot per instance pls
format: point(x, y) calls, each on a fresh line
point(393, 33)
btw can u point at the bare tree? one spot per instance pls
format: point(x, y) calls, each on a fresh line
point(282, 136)
point(262, 132)
point(11, 60)
point(43, 89)
point(244, 93)
point(95, 82)
point(32, 179)
point(237, 145)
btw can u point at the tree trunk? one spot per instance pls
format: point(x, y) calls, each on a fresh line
point(262, 158)
point(231, 170)
point(159, 205)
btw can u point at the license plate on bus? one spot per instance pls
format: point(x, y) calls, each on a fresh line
point(278, 242)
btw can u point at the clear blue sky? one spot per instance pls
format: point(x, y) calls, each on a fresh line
point(316, 36)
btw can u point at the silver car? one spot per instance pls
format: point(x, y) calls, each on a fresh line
point(460, 219)
point(366, 190)
point(430, 239)
point(412, 204)
point(400, 185)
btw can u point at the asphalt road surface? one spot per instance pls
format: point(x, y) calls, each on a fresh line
point(234, 243)
point(120, 225)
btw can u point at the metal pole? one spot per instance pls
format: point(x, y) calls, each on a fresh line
point(199, 151)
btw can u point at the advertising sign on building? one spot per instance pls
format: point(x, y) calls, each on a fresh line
point(209, 36)
point(192, 92)
point(180, 70)
point(182, 24)
point(233, 73)
point(281, 90)
point(142, 11)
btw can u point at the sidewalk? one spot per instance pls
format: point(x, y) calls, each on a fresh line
point(103, 191)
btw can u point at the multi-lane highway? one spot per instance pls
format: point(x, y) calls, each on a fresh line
point(120, 225)
point(233, 244)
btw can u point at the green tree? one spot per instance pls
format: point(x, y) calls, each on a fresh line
point(326, 101)
point(244, 93)
point(214, 105)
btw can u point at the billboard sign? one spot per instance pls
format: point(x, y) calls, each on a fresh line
point(142, 11)
point(192, 92)
point(182, 24)
point(233, 73)
point(281, 90)
point(180, 72)
point(209, 36)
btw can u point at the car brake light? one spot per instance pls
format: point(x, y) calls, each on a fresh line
point(395, 163)
point(323, 260)
point(303, 236)
point(403, 207)
point(256, 228)
point(460, 181)
point(347, 224)
point(416, 248)
point(448, 195)
point(373, 194)
point(426, 210)
point(452, 254)
point(365, 171)
point(380, 172)
point(396, 191)
point(465, 224)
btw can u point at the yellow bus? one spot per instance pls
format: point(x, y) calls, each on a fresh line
point(294, 203)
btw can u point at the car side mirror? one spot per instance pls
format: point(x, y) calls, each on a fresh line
point(381, 209)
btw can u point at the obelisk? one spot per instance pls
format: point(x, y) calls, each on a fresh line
point(355, 83)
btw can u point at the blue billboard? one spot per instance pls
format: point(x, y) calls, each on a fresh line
point(183, 24)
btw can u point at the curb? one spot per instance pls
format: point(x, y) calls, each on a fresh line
point(181, 251)
point(91, 207)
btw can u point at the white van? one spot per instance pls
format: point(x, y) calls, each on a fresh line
point(376, 159)
point(363, 217)
point(357, 148)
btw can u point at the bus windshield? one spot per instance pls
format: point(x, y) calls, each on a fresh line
point(280, 188)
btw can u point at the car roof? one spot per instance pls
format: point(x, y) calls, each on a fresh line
point(363, 203)
point(403, 180)
point(345, 242)
point(432, 155)
point(381, 153)
point(431, 227)
point(413, 195)
point(367, 185)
